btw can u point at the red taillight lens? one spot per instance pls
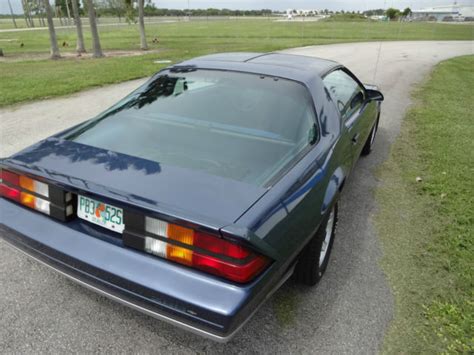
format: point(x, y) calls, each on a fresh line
point(199, 250)
point(25, 190)
point(236, 272)
point(9, 177)
point(12, 186)
point(220, 246)
point(10, 193)
point(245, 266)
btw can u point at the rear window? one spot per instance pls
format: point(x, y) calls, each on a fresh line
point(241, 126)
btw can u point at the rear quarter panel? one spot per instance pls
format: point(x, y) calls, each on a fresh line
point(286, 217)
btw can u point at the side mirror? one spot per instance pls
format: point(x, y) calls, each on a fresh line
point(358, 99)
point(374, 95)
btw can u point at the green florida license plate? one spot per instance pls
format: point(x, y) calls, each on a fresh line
point(100, 213)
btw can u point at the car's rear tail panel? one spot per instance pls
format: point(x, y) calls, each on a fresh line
point(191, 299)
point(111, 263)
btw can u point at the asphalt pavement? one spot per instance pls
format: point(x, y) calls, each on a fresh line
point(348, 312)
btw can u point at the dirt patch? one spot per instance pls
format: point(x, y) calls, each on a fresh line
point(71, 55)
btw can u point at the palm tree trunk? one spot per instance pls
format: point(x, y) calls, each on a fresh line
point(141, 25)
point(80, 48)
point(31, 18)
point(52, 33)
point(13, 16)
point(39, 5)
point(27, 12)
point(95, 33)
point(68, 13)
point(59, 14)
point(24, 13)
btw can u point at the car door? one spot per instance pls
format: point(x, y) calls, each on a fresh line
point(349, 96)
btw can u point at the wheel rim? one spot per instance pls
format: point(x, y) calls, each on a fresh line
point(327, 237)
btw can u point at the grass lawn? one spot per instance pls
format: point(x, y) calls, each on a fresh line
point(427, 226)
point(29, 79)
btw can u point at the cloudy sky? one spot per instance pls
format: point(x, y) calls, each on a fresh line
point(282, 4)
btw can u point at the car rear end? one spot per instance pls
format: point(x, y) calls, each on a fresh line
point(137, 203)
point(175, 270)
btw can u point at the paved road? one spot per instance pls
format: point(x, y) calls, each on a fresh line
point(84, 24)
point(347, 313)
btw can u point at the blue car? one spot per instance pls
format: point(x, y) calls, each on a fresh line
point(200, 193)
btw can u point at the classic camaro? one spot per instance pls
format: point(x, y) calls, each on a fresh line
point(200, 193)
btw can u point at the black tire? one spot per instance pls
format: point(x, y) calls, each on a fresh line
point(369, 144)
point(310, 269)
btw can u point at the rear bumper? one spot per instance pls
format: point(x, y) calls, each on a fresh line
point(183, 297)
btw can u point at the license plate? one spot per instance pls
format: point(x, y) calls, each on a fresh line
point(100, 213)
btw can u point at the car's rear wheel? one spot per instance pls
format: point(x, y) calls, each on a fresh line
point(371, 139)
point(314, 259)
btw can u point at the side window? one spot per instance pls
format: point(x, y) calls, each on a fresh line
point(345, 91)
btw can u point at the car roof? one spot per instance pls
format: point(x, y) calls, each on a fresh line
point(290, 66)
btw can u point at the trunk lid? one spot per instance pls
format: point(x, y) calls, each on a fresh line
point(194, 196)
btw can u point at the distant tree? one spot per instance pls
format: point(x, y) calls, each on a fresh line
point(68, 11)
point(406, 12)
point(38, 9)
point(392, 13)
point(112, 7)
point(52, 33)
point(377, 12)
point(62, 7)
point(129, 13)
point(13, 16)
point(80, 48)
point(141, 25)
point(97, 49)
point(27, 13)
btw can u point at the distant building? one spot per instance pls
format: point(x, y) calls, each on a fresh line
point(294, 12)
point(379, 17)
point(444, 13)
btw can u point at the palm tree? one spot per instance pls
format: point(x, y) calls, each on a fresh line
point(141, 25)
point(52, 33)
point(80, 48)
point(39, 12)
point(27, 13)
point(13, 16)
point(68, 13)
point(95, 33)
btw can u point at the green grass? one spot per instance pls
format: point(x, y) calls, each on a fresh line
point(426, 227)
point(36, 79)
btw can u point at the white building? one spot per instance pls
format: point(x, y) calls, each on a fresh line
point(448, 12)
point(301, 12)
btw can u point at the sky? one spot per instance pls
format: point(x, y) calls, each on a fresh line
point(347, 5)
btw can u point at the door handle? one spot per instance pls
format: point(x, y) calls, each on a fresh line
point(355, 138)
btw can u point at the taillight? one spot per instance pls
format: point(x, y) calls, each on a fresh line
point(35, 194)
point(196, 249)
